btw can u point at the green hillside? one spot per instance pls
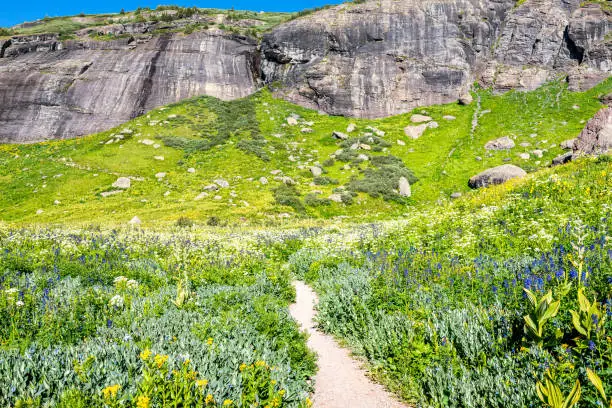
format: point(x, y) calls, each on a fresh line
point(201, 140)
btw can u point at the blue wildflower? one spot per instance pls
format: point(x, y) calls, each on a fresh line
point(573, 273)
point(591, 345)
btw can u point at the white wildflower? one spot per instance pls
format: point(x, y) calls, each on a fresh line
point(117, 301)
point(132, 284)
point(19, 303)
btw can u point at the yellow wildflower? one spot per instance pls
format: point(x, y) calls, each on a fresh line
point(243, 367)
point(186, 362)
point(273, 382)
point(145, 354)
point(202, 383)
point(143, 402)
point(160, 360)
point(260, 363)
point(209, 399)
point(227, 402)
point(209, 341)
point(111, 392)
point(281, 392)
point(308, 402)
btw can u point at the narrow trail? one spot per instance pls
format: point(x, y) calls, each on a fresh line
point(340, 381)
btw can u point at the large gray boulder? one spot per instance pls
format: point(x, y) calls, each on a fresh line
point(496, 175)
point(503, 143)
point(596, 137)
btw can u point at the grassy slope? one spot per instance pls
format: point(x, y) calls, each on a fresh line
point(442, 158)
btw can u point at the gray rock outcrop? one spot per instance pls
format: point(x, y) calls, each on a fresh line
point(596, 137)
point(503, 143)
point(384, 57)
point(496, 175)
point(51, 89)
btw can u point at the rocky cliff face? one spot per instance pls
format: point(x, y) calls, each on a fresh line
point(53, 89)
point(386, 57)
point(374, 59)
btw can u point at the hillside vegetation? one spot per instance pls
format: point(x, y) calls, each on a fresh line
point(249, 161)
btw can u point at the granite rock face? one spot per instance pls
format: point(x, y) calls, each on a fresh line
point(596, 137)
point(51, 89)
point(372, 59)
point(496, 175)
point(386, 57)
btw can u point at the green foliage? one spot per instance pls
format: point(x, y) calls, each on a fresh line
point(550, 394)
point(288, 196)
point(313, 200)
point(383, 180)
point(543, 310)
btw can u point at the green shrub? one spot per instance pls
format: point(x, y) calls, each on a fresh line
point(382, 181)
point(289, 196)
point(184, 222)
point(313, 200)
point(324, 181)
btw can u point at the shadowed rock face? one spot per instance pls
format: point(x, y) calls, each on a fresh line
point(387, 57)
point(56, 90)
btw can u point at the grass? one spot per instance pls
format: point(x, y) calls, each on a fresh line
point(245, 140)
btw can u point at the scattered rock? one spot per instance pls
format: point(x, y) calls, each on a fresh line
point(218, 197)
point(110, 193)
point(433, 125)
point(404, 187)
point(466, 99)
point(364, 146)
point(525, 144)
point(39, 212)
point(415, 132)
point(160, 176)
point(211, 187)
point(401, 142)
point(351, 128)
point(286, 180)
point(316, 171)
point(201, 196)
point(340, 135)
point(147, 142)
point(167, 193)
point(448, 117)
point(478, 158)
point(562, 159)
point(126, 131)
point(420, 118)
point(122, 182)
point(455, 196)
point(496, 175)
point(191, 170)
point(263, 180)
point(363, 157)
point(135, 221)
point(336, 198)
point(160, 158)
point(524, 156)
point(538, 153)
point(291, 121)
point(276, 172)
point(503, 143)
point(222, 183)
point(57, 202)
point(306, 130)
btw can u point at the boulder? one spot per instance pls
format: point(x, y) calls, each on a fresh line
point(263, 180)
point(201, 196)
point(466, 99)
point(496, 175)
point(562, 159)
point(211, 187)
point(306, 130)
point(135, 221)
point(191, 170)
point(351, 128)
point(336, 198)
point(415, 132)
point(420, 118)
point(316, 171)
point(596, 137)
point(222, 183)
point(404, 187)
point(503, 143)
point(122, 182)
point(455, 196)
point(340, 135)
point(291, 121)
point(524, 156)
point(448, 117)
point(538, 153)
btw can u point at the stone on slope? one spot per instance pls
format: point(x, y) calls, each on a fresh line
point(562, 159)
point(420, 118)
point(122, 182)
point(496, 175)
point(316, 171)
point(351, 128)
point(222, 183)
point(596, 137)
point(404, 187)
point(340, 135)
point(448, 117)
point(568, 144)
point(503, 143)
point(415, 132)
point(135, 221)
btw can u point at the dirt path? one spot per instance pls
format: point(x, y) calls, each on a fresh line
point(340, 381)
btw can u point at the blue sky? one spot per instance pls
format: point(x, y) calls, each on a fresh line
point(15, 12)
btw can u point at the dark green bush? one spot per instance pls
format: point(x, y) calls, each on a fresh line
point(289, 196)
point(324, 181)
point(313, 200)
point(184, 222)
